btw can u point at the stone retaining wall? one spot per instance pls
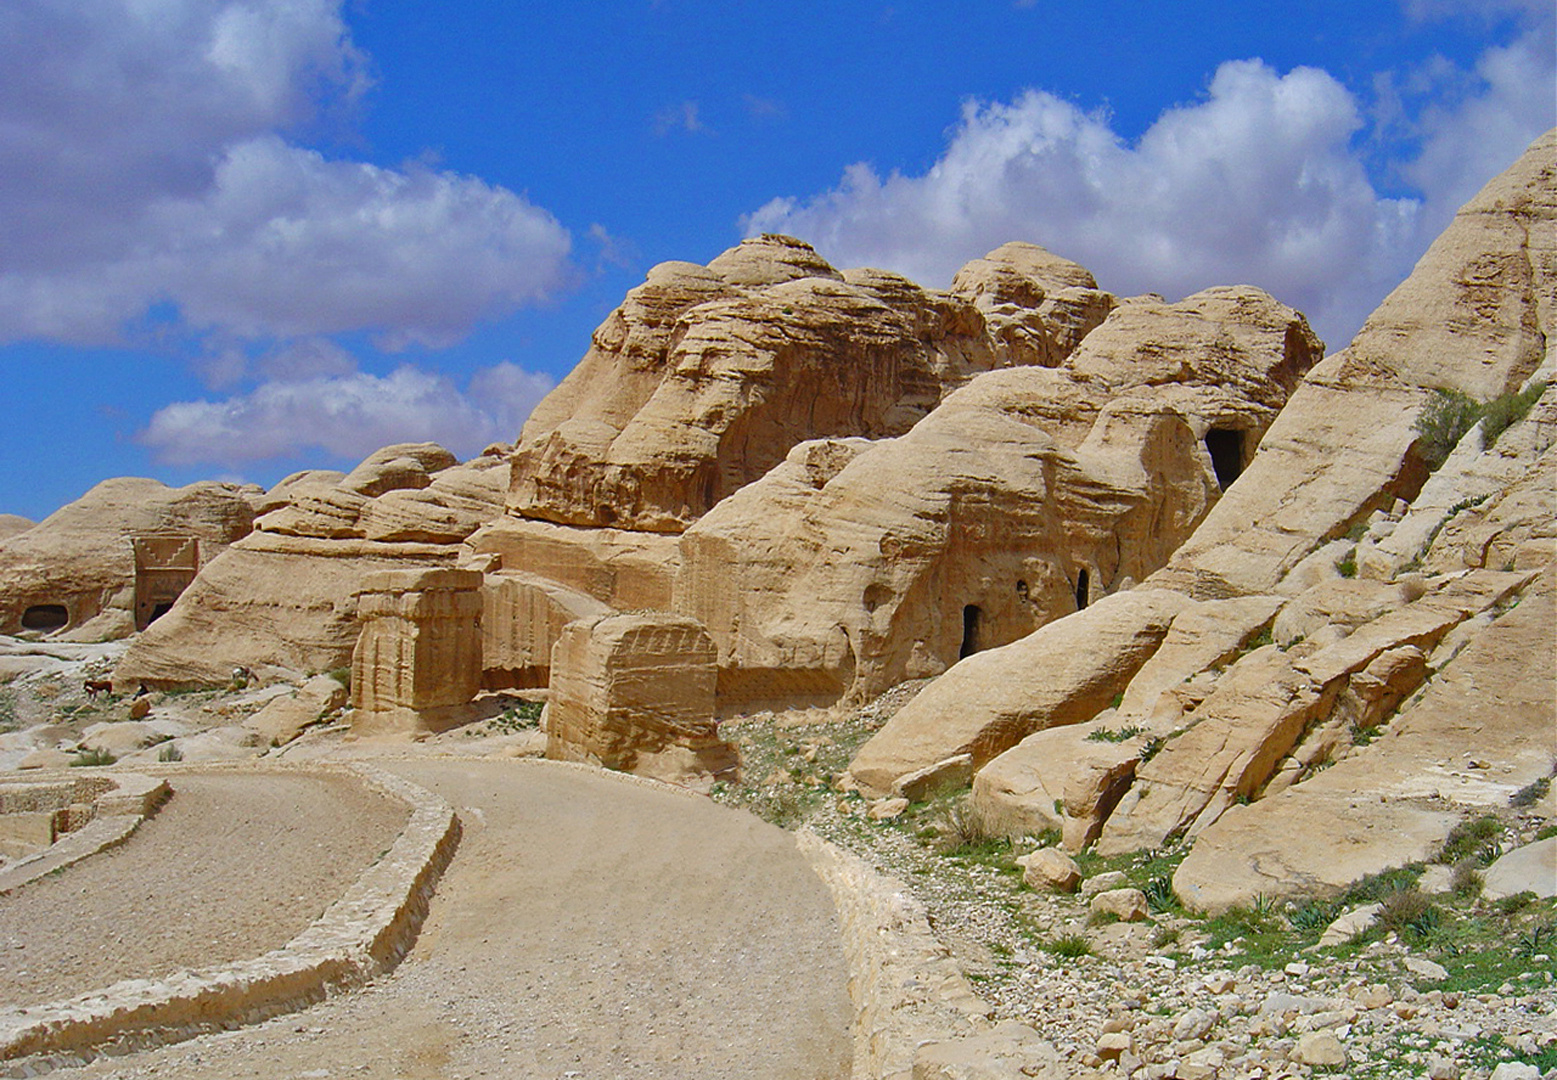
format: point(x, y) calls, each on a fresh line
point(367, 931)
point(906, 988)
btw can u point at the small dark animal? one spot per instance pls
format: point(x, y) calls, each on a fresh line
point(94, 687)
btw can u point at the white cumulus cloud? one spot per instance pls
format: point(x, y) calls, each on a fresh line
point(1261, 182)
point(349, 414)
point(152, 174)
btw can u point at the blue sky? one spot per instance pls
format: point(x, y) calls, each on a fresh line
point(242, 237)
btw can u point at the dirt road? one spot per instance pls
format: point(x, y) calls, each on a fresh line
point(587, 928)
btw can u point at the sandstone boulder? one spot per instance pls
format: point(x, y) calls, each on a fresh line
point(636, 693)
point(1050, 870)
point(522, 617)
point(286, 716)
point(12, 524)
point(1066, 778)
point(1066, 673)
point(1531, 868)
point(1395, 800)
point(76, 573)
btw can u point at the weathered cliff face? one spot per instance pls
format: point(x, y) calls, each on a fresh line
point(284, 600)
point(1027, 494)
point(705, 377)
point(1337, 607)
point(75, 572)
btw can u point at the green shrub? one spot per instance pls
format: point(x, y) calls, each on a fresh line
point(1348, 565)
point(170, 753)
point(1443, 422)
point(1475, 839)
point(1129, 731)
point(1502, 412)
point(1070, 946)
point(92, 757)
point(1409, 913)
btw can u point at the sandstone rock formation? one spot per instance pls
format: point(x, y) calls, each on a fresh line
point(75, 573)
point(283, 602)
point(1027, 494)
point(418, 659)
point(11, 524)
point(705, 377)
point(636, 693)
point(1279, 750)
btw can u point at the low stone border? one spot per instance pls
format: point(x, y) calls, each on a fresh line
point(906, 988)
point(366, 932)
point(134, 798)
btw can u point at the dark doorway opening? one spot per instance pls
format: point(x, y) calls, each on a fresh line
point(1083, 589)
point(970, 631)
point(45, 617)
point(1226, 449)
point(159, 611)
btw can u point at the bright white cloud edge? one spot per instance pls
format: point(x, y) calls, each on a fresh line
point(349, 415)
point(1259, 183)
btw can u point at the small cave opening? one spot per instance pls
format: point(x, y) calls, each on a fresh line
point(970, 631)
point(1021, 589)
point(45, 617)
point(1083, 589)
point(158, 611)
point(1225, 445)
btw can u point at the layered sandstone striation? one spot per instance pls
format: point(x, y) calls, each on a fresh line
point(74, 574)
point(1029, 493)
point(635, 692)
point(705, 377)
point(283, 602)
point(418, 658)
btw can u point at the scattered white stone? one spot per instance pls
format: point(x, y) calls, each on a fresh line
point(1112, 879)
point(1127, 905)
point(1426, 969)
point(1320, 1048)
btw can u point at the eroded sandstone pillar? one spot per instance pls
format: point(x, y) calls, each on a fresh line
point(636, 693)
point(418, 657)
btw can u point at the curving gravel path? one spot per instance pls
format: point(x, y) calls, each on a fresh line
point(587, 928)
point(232, 866)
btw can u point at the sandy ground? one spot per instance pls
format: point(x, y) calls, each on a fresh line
point(231, 867)
point(587, 928)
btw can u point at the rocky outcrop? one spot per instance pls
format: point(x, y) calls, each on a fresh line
point(1474, 316)
point(1066, 673)
point(636, 693)
point(408, 493)
point(284, 601)
point(705, 377)
point(12, 524)
point(75, 573)
point(1027, 494)
point(1394, 801)
point(1334, 584)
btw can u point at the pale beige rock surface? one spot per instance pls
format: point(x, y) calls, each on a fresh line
point(286, 716)
point(1027, 493)
point(636, 693)
point(417, 660)
point(1059, 778)
point(11, 524)
point(701, 382)
point(1065, 673)
point(1394, 801)
point(281, 605)
point(80, 558)
point(1473, 316)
